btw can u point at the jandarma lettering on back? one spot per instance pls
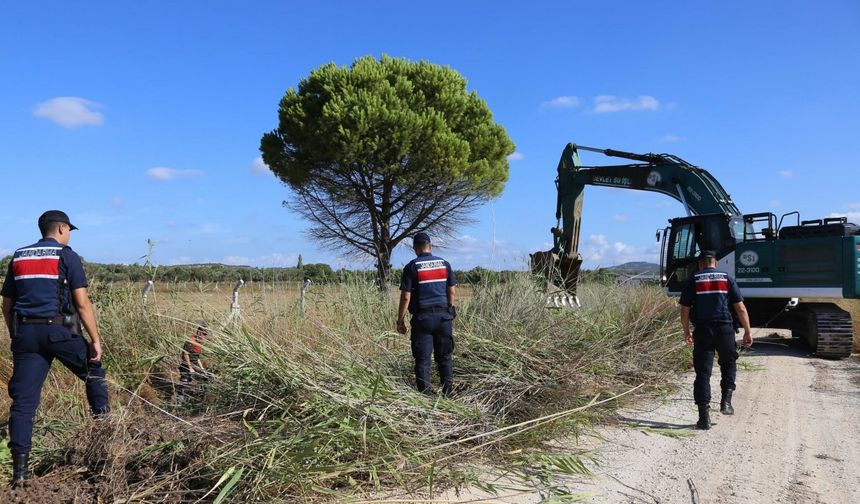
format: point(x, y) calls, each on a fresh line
point(39, 252)
point(430, 264)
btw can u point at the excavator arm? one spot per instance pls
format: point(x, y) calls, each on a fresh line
point(694, 187)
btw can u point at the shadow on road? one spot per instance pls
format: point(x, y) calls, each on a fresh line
point(775, 344)
point(636, 422)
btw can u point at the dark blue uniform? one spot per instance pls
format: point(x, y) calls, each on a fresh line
point(40, 281)
point(428, 277)
point(711, 295)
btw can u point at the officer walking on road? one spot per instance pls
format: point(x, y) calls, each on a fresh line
point(710, 295)
point(427, 290)
point(45, 301)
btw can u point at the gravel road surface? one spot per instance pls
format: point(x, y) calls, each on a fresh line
point(794, 438)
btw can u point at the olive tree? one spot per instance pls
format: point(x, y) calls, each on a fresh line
point(382, 149)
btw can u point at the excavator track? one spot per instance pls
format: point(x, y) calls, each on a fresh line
point(831, 332)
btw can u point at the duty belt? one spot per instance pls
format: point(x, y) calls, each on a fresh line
point(24, 320)
point(433, 309)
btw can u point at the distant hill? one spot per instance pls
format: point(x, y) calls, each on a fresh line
point(636, 267)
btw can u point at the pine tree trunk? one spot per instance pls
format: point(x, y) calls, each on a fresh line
point(383, 267)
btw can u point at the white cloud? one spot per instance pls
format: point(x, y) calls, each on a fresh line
point(598, 250)
point(620, 218)
point(466, 251)
point(609, 103)
point(258, 167)
point(853, 205)
point(180, 260)
point(163, 173)
point(561, 102)
point(277, 259)
point(852, 216)
point(786, 173)
point(775, 203)
point(116, 202)
point(516, 156)
point(70, 112)
point(670, 138)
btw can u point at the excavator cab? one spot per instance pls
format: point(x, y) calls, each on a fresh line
point(687, 237)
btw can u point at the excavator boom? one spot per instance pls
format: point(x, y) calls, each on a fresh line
point(694, 187)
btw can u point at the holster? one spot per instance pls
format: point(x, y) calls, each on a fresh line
point(73, 324)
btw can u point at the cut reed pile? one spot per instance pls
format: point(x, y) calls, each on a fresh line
point(321, 406)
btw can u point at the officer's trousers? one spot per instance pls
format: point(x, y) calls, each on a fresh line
point(707, 339)
point(433, 332)
point(34, 347)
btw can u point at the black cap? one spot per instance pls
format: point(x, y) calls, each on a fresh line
point(421, 239)
point(56, 216)
point(707, 254)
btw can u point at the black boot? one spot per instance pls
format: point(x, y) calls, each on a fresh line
point(20, 474)
point(704, 422)
point(726, 403)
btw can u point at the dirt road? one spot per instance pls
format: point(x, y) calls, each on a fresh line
point(795, 438)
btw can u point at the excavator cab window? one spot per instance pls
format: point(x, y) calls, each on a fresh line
point(738, 229)
point(691, 235)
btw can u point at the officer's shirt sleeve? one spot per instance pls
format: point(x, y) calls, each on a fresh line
point(735, 295)
point(688, 294)
point(406, 278)
point(8, 284)
point(74, 270)
point(452, 280)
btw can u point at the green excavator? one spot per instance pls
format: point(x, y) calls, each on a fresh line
point(777, 263)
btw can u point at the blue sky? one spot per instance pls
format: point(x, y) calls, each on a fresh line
point(142, 120)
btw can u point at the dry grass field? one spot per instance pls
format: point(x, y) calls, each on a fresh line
point(320, 406)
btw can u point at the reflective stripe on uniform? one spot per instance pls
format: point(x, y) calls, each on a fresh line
point(712, 283)
point(37, 262)
point(431, 271)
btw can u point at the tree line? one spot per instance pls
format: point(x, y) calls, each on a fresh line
point(319, 273)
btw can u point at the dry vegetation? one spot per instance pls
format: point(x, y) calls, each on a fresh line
point(320, 406)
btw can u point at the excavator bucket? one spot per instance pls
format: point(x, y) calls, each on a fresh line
point(561, 274)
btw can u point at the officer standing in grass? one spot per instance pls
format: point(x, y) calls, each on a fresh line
point(712, 294)
point(427, 290)
point(45, 301)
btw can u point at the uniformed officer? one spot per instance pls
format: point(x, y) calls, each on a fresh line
point(427, 290)
point(710, 296)
point(45, 301)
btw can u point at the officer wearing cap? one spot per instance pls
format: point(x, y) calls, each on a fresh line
point(45, 301)
point(708, 300)
point(427, 290)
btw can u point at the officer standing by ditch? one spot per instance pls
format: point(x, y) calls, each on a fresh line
point(45, 300)
point(427, 290)
point(708, 300)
